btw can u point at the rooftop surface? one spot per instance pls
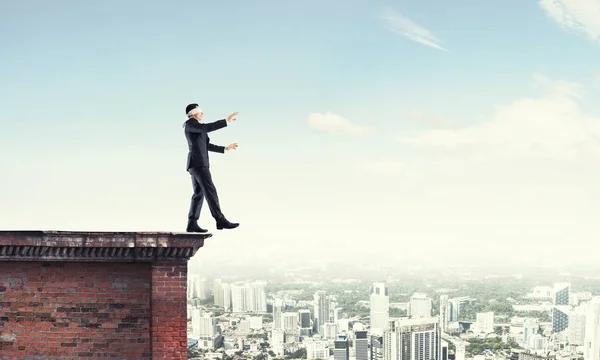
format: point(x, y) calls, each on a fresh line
point(40, 245)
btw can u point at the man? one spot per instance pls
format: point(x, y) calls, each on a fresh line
point(198, 166)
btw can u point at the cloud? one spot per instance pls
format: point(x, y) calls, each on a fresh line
point(429, 119)
point(402, 25)
point(578, 15)
point(330, 123)
point(550, 125)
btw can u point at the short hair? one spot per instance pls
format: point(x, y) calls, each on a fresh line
point(190, 107)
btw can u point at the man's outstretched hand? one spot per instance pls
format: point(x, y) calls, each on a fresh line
point(231, 147)
point(232, 116)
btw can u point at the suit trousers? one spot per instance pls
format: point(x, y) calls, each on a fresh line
point(204, 188)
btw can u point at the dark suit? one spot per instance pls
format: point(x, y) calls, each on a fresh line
point(198, 165)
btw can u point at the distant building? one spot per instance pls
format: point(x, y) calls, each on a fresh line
point(277, 314)
point(412, 339)
point(444, 313)
point(485, 322)
point(380, 307)
point(322, 305)
point(361, 345)
point(592, 331)
point(316, 349)
point(341, 350)
point(561, 309)
point(420, 306)
point(376, 348)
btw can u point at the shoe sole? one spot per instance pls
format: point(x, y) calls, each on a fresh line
point(226, 228)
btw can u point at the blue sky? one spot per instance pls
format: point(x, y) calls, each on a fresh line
point(397, 121)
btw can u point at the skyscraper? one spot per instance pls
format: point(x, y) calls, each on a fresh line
point(591, 349)
point(289, 321)
point(304, 318)
point(256, 297)
point(484, 322)
point(420, 306)
point(238, 298)
point(321, 309)
point(361, 344)
point(454, 309)
point(218, 292)
point(376, 349)
point(444, 313)
point(277, 314)
point(412, 339)
point(560, 310)
point(380, 307)
point(341, 349)
point(562, 292)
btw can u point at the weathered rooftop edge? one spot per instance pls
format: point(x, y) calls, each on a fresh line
point(36, 245)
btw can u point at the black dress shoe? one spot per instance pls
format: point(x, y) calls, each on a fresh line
point(226, 225)
point(193, 227)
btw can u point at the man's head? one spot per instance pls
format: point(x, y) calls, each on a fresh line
point(193, 111)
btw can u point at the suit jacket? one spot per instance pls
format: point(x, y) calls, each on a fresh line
point(198, 141)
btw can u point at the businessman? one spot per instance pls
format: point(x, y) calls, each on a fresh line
point(198, 167)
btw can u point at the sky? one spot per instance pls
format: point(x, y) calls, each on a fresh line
point(452, 131)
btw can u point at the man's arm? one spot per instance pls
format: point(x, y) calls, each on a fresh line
point(197, 127)
point(215, 148)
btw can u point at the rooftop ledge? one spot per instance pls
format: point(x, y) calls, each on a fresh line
point(98, 246)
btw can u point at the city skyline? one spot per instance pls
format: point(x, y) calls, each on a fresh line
point(489, 326)
point(467, 127)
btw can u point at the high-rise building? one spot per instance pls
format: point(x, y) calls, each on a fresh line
point(561, 308)
point(277, 314)
point(341, 350)
point(196, 288)
point(218, 292)
point(562, 292)
point(454, 310)
point(420, 306)
point(196, 315)
point(249, 298)
point(412, 339)
point(256, 297)
point(444, 313)
point(203, 329)
point(485, 322)
point(576, 329)
point(316, 349)
point(304, 318)
point(226, 296)
point(238, 298)
point(380, 307)
point(321, 309)
point(289, 321)
point(361, 345)
point(530, 327)
point(330, 331)
point(591, 348)
point(222, 294)
point(376, 348)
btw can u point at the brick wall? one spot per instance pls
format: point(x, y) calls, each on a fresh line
point(169, 306)
point(78, 295)
point(77, 309)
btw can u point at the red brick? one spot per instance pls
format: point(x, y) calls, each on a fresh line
point(93, 307)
